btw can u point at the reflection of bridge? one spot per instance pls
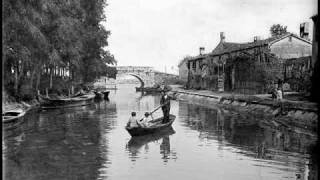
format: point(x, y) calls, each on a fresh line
point(146, 75)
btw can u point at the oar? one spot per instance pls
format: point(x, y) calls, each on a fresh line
point(157, 108)
point(154, 110)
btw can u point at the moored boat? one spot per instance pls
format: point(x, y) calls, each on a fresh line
point(106, 94)
point(12, 118)
point(101, 94)
point(153, 89)
point(148, 89)
point(81, 100)
point(156, 125)
point(98, 94)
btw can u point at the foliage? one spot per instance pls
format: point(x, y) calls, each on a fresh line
point(298, 75)
point(252, 72)
point(277, 30)
point(43, 38)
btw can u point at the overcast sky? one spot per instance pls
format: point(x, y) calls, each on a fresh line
point(160, 33)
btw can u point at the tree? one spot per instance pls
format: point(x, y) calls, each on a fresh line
point(277, 30)
point(43, 37)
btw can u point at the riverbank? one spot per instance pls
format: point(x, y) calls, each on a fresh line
point(26, 106)
point(302, 114)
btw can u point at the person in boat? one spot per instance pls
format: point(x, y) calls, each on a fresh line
point(279, 94)
point(274, 93)
point(165, 103)
point(133, 121)
point(145, 121)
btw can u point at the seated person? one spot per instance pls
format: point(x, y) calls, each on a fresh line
point(133, 121)
point(144, 122)
point(274, 93)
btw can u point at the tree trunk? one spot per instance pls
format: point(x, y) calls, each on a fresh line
point(38, 80)
point(51, 78)
point(16, 80)
point(32, 77)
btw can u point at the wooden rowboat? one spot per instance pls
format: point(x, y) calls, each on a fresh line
point(82, 100)
point(98, 94)
point(106, 94)
point(148, 89)
point(101, 94)
point(138, 141)
point(12, 118)
point(156, 125)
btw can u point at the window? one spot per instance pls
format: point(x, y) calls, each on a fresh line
point(194, 65)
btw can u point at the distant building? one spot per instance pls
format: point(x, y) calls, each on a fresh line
point(315, 39)
point(183, 70)
point(246, 67)
point(315, 63)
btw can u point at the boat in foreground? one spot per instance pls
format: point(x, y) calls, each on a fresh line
point(138, 141)
point(81, 100)
point(12, 118)
point(156, 126)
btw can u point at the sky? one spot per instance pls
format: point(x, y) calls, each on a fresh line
point(159, 33)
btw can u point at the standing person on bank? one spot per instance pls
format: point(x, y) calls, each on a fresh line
point(165, 103)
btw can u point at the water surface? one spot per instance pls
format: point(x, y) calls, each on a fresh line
point(204, 143)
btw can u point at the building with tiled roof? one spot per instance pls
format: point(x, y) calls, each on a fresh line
point(221, 69)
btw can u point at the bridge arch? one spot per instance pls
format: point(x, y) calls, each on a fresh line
point(144, 74)
point(138, 77)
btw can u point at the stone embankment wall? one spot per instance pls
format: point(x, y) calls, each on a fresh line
point(287, 113)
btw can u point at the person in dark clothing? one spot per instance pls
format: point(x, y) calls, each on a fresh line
point(165, 103)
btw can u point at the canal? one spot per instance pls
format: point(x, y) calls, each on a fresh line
point(204, 143)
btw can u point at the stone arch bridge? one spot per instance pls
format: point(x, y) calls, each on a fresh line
point(146, 75)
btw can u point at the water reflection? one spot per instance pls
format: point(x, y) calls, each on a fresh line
point(250, 136)
point(90, 142)
point(244, 130)
point(136, 144)
point(57, 144)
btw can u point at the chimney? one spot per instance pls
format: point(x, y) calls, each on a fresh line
point(201, 49)
point(304, 30)
point(222, 37)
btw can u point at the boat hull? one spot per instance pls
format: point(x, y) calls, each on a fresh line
point(65, 103)
point(106, 94)
point(148, 89)
point(141, 131)
point(139, 141)
point(11, 122)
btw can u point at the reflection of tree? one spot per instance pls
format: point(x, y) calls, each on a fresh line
point(65, 146)
point(244, 131)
